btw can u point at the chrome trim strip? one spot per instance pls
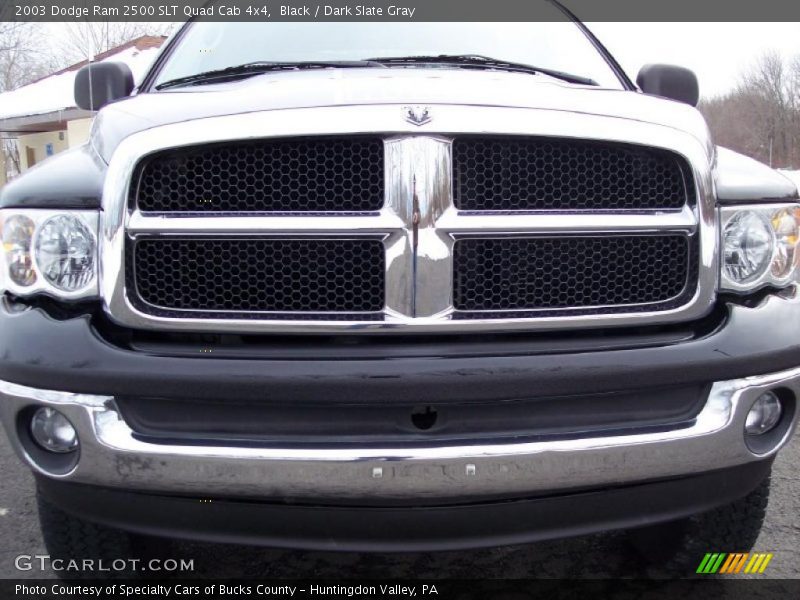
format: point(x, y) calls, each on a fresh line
point(448, 219)
point(383, 223)
point(418, 188)
point(419, 223)
point(547, 223)
point(399, 185)
point(112, 456)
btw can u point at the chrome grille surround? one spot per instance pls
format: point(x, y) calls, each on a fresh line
point(418, 223)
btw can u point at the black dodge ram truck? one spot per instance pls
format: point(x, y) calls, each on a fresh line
point(397, 286)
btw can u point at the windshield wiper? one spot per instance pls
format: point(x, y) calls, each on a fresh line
point(256, 68)
point(475, 61)
point(478, 61)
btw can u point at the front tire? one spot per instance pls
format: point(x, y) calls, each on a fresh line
point(681, 545)
point(73, 540)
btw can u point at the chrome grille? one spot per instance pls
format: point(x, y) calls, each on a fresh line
point(587, 274)
point(242, 276)
point(307, 175)
point(454, 258)
point(506, 173)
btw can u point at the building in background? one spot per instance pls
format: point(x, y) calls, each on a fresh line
point(41, 118)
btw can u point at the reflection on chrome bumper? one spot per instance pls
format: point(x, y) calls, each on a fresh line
point(112, 456)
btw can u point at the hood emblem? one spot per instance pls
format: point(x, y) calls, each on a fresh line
point(417, 115)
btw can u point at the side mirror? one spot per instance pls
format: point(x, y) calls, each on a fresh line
point(669, 81)
point(98, 84)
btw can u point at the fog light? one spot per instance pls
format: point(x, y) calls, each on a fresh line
point(53, 431)
point(764, 415)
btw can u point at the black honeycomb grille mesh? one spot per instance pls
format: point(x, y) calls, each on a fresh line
point(239, 276)
point(298, 175)
point(572, 272)
point(506, 173)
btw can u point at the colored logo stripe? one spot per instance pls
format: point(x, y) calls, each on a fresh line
point(721, 562)
point(711, 562)
point(758, 563)
point(734, 563)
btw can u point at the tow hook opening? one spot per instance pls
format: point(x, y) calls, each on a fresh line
point(424, 417)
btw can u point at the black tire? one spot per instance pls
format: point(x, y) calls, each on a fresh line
point(69, 538)
point(681, 545)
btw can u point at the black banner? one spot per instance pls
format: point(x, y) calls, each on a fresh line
point(283, 589)
point(398, 10)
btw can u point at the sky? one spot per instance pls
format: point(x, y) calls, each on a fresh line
point(716, 52)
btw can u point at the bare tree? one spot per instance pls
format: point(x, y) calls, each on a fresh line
point(8, 35)
point(84, 40)
point(11, 152)
point(21, 59)
point(761, 116)
point(766, 92)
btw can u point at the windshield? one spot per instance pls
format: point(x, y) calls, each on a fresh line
point(557, 46)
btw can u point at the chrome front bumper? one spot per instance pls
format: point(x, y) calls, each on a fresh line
point(111, 456)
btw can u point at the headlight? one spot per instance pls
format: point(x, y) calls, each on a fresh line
point(759, 246)
point(785, 224)
point(17, 241)
point(50, 252)
point(748, 242)
point(65, 253)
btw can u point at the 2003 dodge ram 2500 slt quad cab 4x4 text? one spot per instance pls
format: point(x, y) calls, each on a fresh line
point(384, 286)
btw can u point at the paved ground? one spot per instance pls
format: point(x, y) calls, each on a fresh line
point(597, 556)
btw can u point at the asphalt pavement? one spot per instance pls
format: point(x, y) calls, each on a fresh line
point(596, 556)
